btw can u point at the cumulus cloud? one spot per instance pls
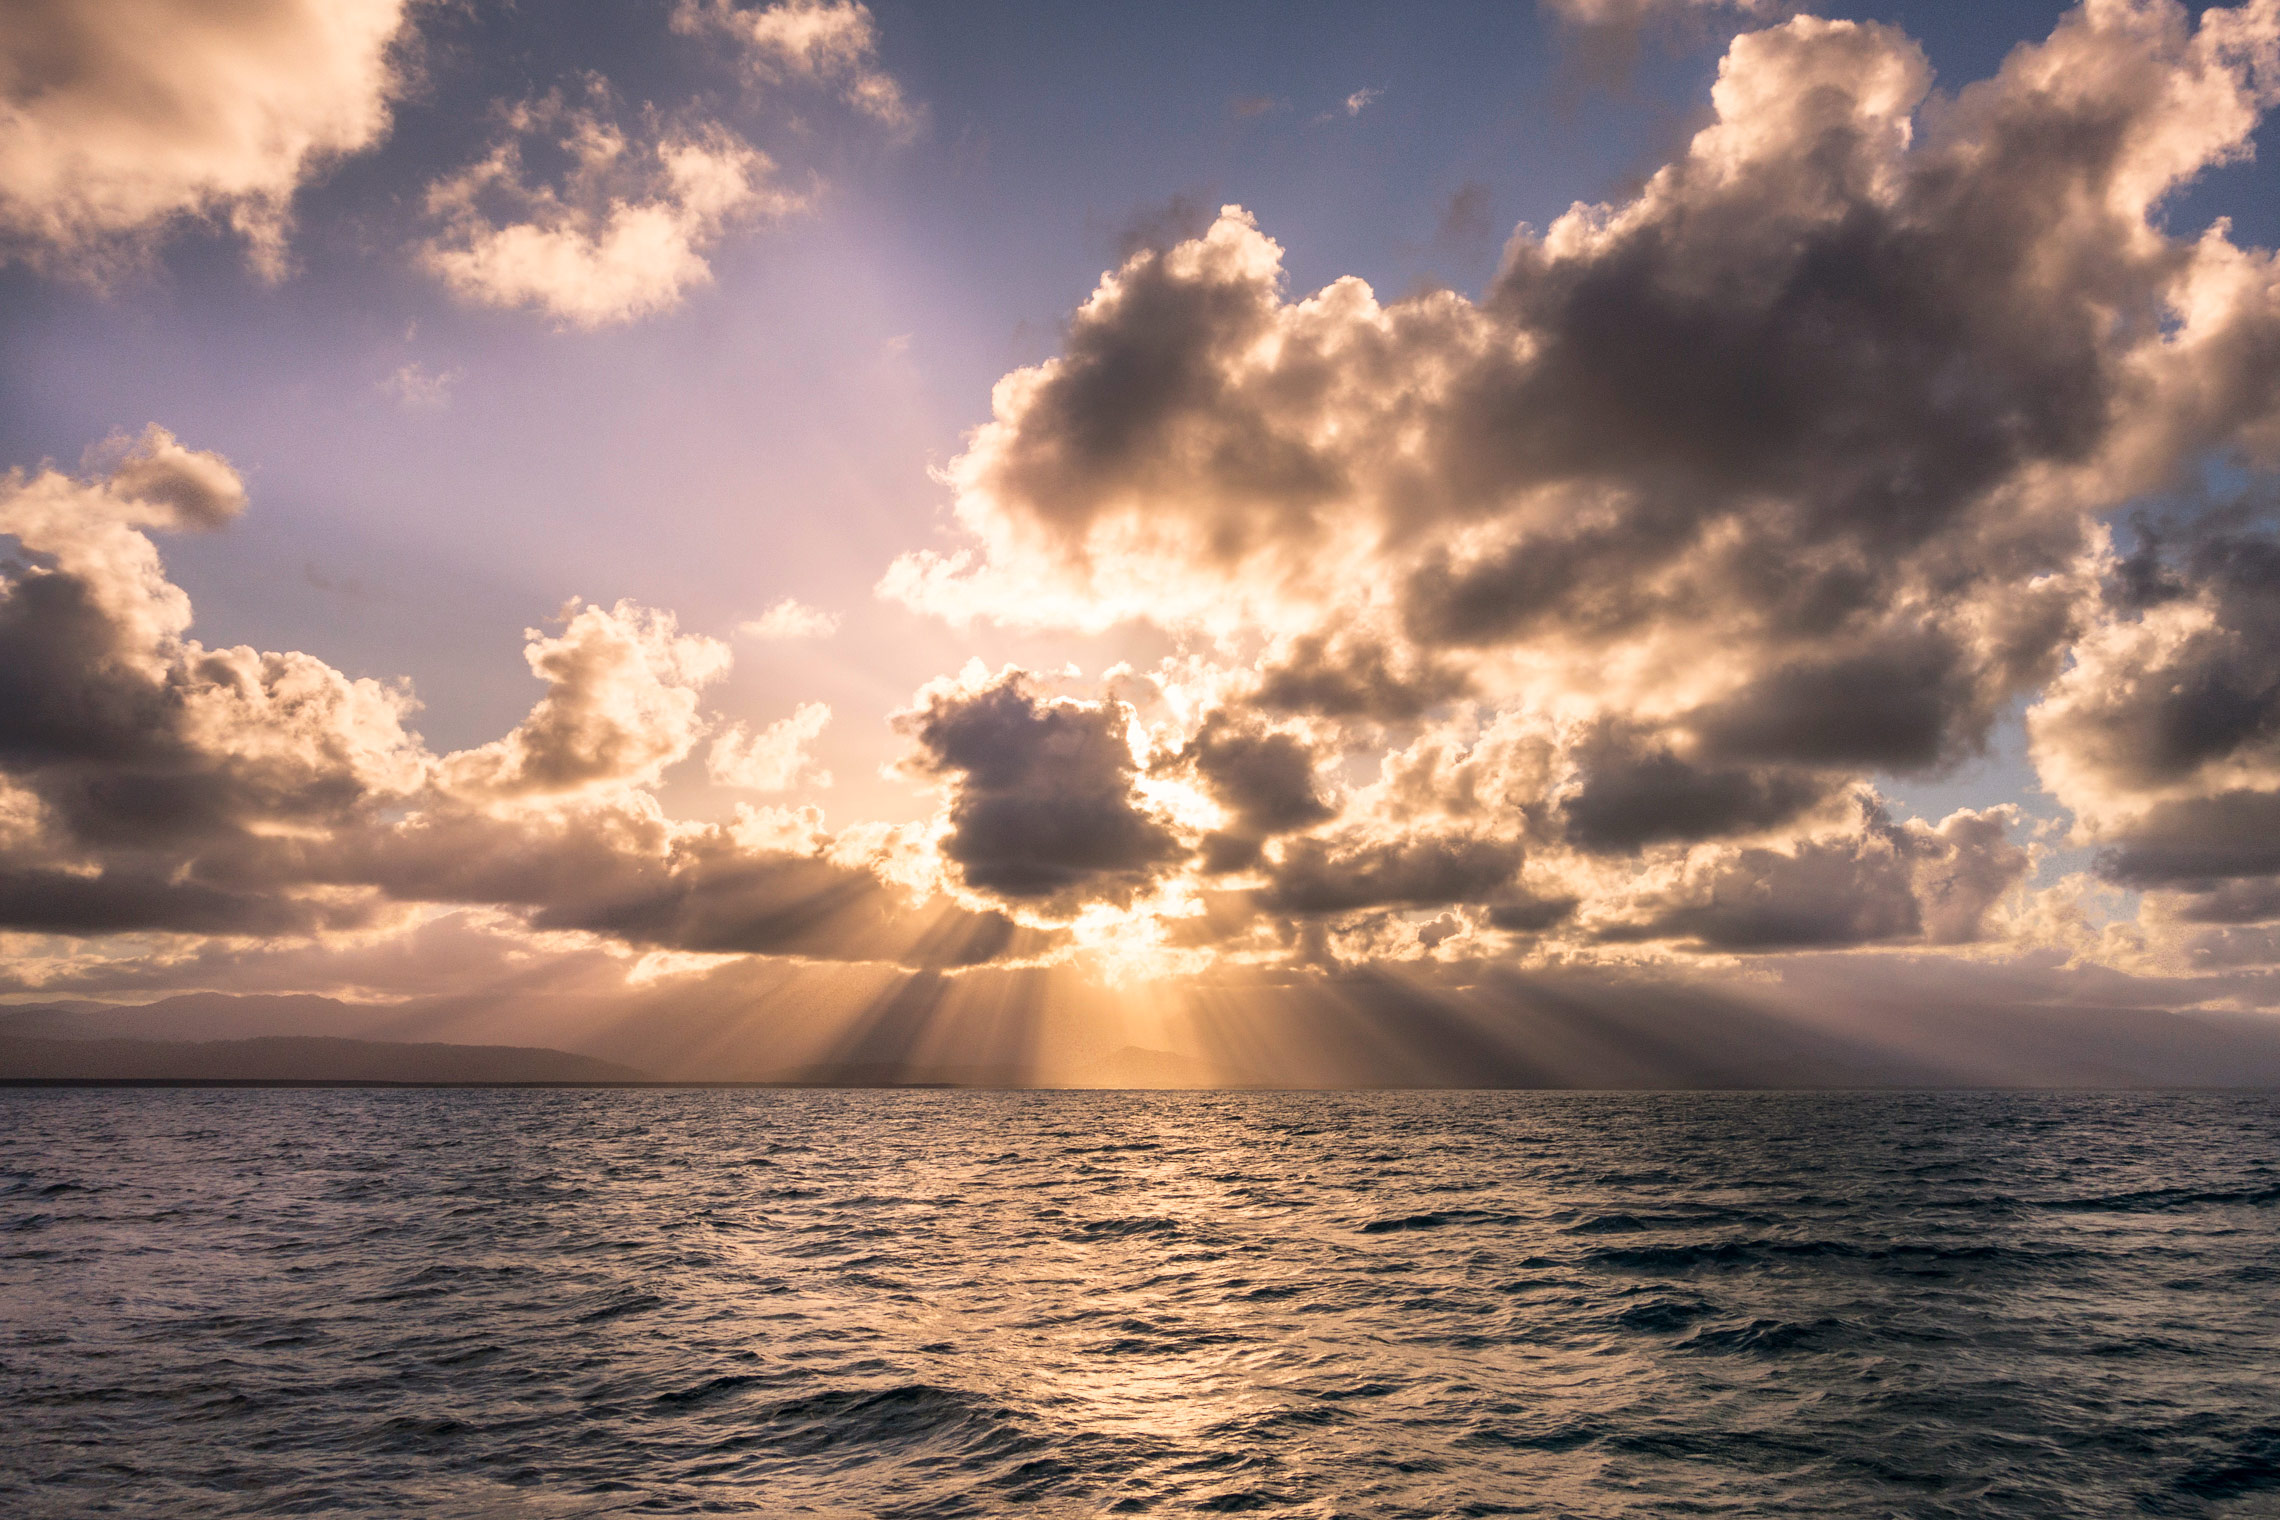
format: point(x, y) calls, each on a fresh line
point(1345, 677)
point(2175, 694)
point(2163, 738)
point(132, 749)
point(830, 40)
point(1785, 473)
point(1964, 866)
point(116, 121)
point(1876, 882)
point(152, 785)
point(1572, 625)
point(1632, 790)
point(1316, 876)
point(1266, 780)
point(621, 705)
point(86, 531)
point(622, 235)
point(1043, 805)
point(1918, 355)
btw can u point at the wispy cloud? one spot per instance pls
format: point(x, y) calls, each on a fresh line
point(832, 41)
point(774, 759)
point(622, 235)
point(417, 388)
point(790, 619)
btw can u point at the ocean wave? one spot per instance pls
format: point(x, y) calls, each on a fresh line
point(936, 1305)
point(1436, 1220)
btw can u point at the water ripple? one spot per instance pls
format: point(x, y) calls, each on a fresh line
point(552, 1303)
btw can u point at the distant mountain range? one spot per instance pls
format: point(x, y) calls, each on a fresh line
point(294, 1058)
point(1377, 1033)
point(216, 1037)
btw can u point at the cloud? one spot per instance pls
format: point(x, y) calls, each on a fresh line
point(1908, 389)
point(1917, 360)
point(417, 388)
point(621, 705)
point(1572, 626)
point(773, 760)
point(829, 40)
point(1604, 35)
point(1876, 883)
point(1347, 677)
point(2163, 737)
point(1361, 100)
point(2175, 693)
point(1264, 779)
point(1466, 222)
point(625, 229)
point(152, 785)
point(790, 619)
point(625, 233)
point(103, 577)
point(1318, 876)
point(1043, 809)
point(131, 751)
point(1632, 12)
point(1635, 791)
point(117, 122)
point(1965, 865)
point(1787, 472)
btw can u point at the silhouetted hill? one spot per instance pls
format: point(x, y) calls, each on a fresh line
point(288, 1058)
point(198, 1016)
point(1509, 1030)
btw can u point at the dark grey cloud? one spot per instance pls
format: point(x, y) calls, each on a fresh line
point(1900, 705)
point(1354, 678)
point(1317, 876)
point(1122, 386)
point(124, 898)
point(1636, 791)
point(1602, 38)
point(1590, 583)
point(2199, 839)
point(1467, 219)
point(138, 803)
point(1880, 882)
point(1848, 892)
point(1265, 780)
point(2215, 692)
point(1043, 808)
point(2250, 901)
point(2165, 734)
point(67, 690)
point(1532, 915)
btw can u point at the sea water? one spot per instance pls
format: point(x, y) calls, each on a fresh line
point(554, 1303)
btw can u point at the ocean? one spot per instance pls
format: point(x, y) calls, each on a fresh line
point(544, 1302)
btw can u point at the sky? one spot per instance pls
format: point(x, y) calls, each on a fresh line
point(961, 528)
